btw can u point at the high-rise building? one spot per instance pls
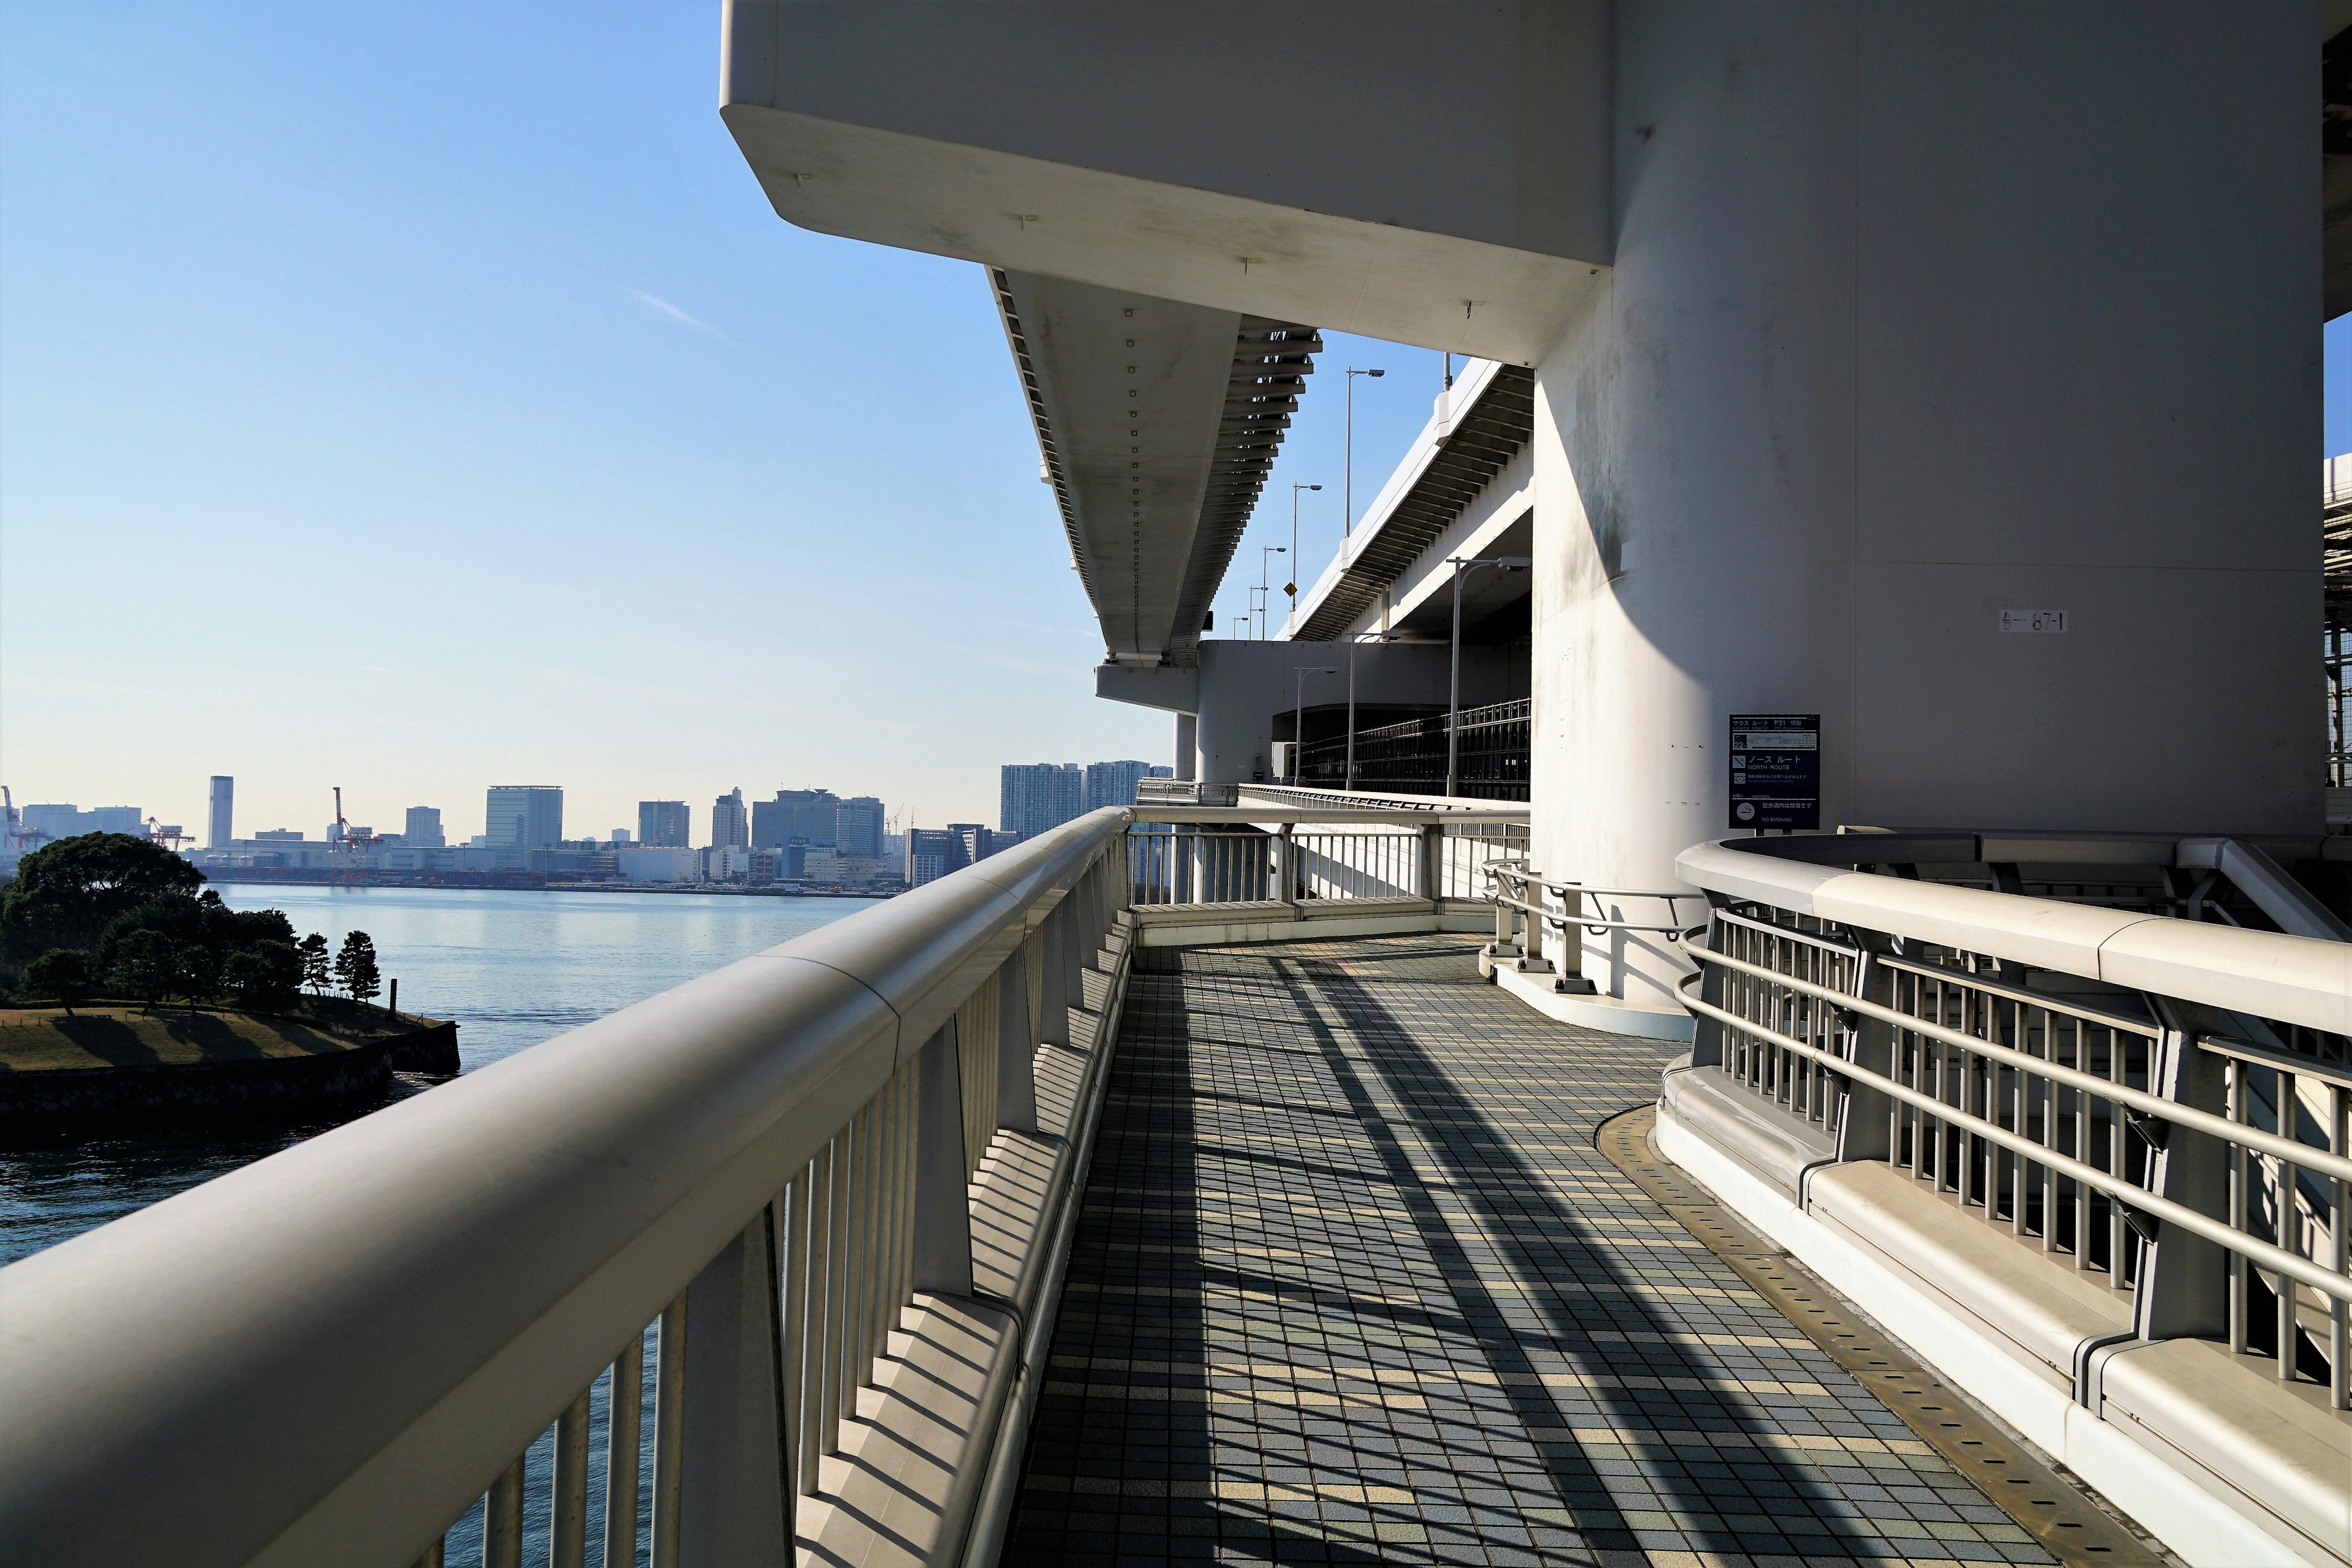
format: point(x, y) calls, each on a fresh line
point(1113, 784)
point(857, 828)
point(220, 822)
point(731, 827)
point(933, 853)
point(524, 816)
point(423, 829)
point(1036, 797)
point(805, 813)
point(664, 824)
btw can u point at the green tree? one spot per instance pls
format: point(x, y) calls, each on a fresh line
point(62, 973)
point(266, 974)
point(312, 952)
point(146, 965)
point(355, 969)
point(197, 971)
point(65, 894)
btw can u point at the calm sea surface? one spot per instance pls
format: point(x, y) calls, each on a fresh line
point(513, 968)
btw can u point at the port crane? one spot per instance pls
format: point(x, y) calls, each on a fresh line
point(348, 845)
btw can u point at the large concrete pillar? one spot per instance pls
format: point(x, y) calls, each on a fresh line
point(1917, 315)
point(1188, 745)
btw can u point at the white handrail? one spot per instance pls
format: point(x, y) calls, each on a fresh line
point(326, 1354)
point(2292, 979)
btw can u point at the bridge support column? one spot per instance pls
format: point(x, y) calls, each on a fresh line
point(1923, 320)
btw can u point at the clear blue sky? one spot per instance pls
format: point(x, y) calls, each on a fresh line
point(415, 398)
point(418, 398)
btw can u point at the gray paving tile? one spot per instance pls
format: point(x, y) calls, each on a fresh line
point(1351, 1284)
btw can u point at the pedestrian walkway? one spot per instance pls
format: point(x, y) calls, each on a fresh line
point(1353, 1285)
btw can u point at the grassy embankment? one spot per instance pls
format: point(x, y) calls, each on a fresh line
point(103, 1033)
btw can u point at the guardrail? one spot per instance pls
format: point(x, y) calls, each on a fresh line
point(1301, 855)
point(1540, 922)
point(2164, 1103)
point(332, 1354)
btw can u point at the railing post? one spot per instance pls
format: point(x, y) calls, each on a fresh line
point(1016, 1046)
point(1432, 864)
point(1531, 959)
point(1864, 1112)
point(1572, 937)
point(942, 1199)
point(1706, 1032)
point(735, 1506)
point(1053, 977)
point(1289, 866)
point(2183, 1290)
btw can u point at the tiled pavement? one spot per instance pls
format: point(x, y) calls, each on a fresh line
point(1352, 1285)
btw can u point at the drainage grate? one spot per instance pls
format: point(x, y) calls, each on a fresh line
point(2052, 1508)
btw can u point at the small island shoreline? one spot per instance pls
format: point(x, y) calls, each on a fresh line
point(108, 1067)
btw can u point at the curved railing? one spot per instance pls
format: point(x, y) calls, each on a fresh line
point(329, 1355)
point(2089, 1079)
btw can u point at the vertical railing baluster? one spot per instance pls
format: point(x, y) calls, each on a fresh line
point(2339, 1232)
point(817, 1253)
point(568, 1494)
point(2286, 1229)
point(502, 1520)
point(624, 1431)
point(796, 1257)
point(836, 1289)
point(669, 1431)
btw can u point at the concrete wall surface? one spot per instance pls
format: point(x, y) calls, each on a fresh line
point(1920, 314)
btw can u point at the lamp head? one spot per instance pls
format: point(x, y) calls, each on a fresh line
point(1376, 373)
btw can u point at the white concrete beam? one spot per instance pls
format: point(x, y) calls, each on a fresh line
point(1432, 174)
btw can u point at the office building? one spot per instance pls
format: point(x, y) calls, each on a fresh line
point(795, 813)
point(423, 828)
point(1036, 797)
point(933, 853)
point(730, 825)
point(664, 824)
point(524, 816)
point(220, 818)
point(857, 828)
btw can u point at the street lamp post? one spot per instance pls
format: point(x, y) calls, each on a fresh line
point(1298, 714)
point(1264, 583)
point(1348, 485)
point(1291, 587)
point(1454, 684)
point(1359, 637)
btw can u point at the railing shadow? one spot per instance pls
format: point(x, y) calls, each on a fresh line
point(1530, 1228)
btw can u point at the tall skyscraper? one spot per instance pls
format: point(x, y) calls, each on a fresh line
point(805, 813)
point(730, 827)
point(1113, 784)
point(664, 824)
point(524, 816)
point(1036, 797)
point(220, 823)
point(423, 829)
point(857, 828)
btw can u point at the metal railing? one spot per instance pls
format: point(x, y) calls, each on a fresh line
point(2162, 1103)
point(443, 1310)
point(1409, 758)
point(1540, 922)
point(1298, 855)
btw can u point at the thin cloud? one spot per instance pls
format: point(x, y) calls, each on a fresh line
point(662, 307)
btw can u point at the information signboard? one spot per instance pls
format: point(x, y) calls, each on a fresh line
point(1776, 770)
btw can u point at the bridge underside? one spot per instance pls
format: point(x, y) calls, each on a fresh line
point(1353, 1284)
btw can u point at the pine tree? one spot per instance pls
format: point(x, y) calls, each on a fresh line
point(355, 969)
point(312, 950)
